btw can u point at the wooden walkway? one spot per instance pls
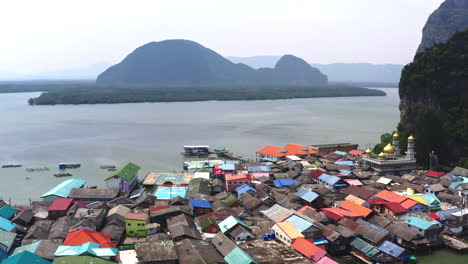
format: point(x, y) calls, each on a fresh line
point(454, 243)
point(233, 156)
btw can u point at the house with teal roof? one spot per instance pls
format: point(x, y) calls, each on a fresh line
point(89, 248)
point(429, 230)
point(239, 256)
point(7, 211)
point(125, 178)
point(63, 189)
point(235, 229)
point(25, 257)
point(7, 225)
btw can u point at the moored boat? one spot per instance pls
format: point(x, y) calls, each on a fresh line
point(196, 150)
point(69, 165)
point(62, 174)
point(11, 166)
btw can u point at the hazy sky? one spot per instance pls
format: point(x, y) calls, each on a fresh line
point(51, 35)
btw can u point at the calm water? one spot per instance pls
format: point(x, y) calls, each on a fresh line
point(152, 134)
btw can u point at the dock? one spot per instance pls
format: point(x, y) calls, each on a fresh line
point(233, 156)
point(454, 243)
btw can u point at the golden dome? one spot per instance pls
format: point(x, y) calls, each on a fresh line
point(368, 151)
point(381, 155)
point(411, 138)
point(396, 136)
point(389, 149)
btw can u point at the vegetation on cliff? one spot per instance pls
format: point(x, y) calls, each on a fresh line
point(434, 102)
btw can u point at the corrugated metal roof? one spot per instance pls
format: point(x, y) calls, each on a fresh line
point(65, 187)
point(332, 180)
point(238, 256)
point(277, 213)
point(25, 257)
point(244, 188)
point(126, 172)
point(227, 167)
point(61, 204)
point(7, 211)
point(7, 238)
point(300, 223)
point(283, 182)
point(289, 229)
point(307, 195)
point(6, 224)
point(418, 222)
point(391, 249)
point(31, 248)
point(229, 223)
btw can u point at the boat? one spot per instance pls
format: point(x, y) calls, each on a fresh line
point(11, 166)
point(69, 165)
point(62, 174)
point(37, 169)
point(107, 167)
point(196, 150)
point(27, 178)
point(221, 150)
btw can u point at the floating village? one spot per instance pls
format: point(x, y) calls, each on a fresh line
point(296, 204)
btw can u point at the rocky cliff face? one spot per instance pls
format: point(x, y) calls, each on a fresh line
point(450, 17)
point(184, 62)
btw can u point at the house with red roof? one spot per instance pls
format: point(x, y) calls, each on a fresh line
point(59, 207)
point(234, 181)
point(82, 236)
point(274, 153)
point(308, 249)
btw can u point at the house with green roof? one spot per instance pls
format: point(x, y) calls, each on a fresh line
point(429, 230)
point(25, 257)
point(81, 260)
point(125, 178)
point(63, 189)
point(209, 225)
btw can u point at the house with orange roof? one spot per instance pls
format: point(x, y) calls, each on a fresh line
point(274, 153)
point(82, 236)
point(308, 249)
point(412, 206)
point(341, 212)
point(271, 153)
point(234, 181)
point(286, 232)
point(390, 196)
point(356, 208)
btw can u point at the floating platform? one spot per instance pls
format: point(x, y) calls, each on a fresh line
point(455, 243)
point(11, 166)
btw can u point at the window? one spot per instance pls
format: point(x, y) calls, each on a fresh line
point(129, 224)
point(131, 232)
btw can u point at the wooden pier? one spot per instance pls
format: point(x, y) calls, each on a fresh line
point(455, 243)
point(233, 156)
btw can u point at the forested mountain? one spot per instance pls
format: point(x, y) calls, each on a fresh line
point(184, 62)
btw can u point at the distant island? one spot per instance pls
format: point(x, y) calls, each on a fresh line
point(95, 94)
point(185, 62)
point(388, 74)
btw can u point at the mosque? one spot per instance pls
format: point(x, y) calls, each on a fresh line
point(390, 161)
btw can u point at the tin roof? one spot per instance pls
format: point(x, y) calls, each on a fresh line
point(308, 249)
point(307, 194)
point(244, 188)
point(138, 217)
point(64, 188)
point(418, 222)
point(289, 229)
point(25, 257)
point(391, 196)
point(229, 223)
point(391, 249)
point(239, 256)
point(332, 180)
point(356, 208)
point(200, 203)
point(7, 211)
point(61, 204)
point(6, 224)
point(300, 223)
point(126, 172)
point(277, 213)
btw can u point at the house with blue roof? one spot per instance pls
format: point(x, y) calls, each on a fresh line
point(429, 230)
point(307, 196)
point(201, 207)
point(308, 229)
point(245, 188)
point(7, 211)
point(7, 225)
point(239, 256)
point(332, 182)
point(63, 189)
point(282, 183)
